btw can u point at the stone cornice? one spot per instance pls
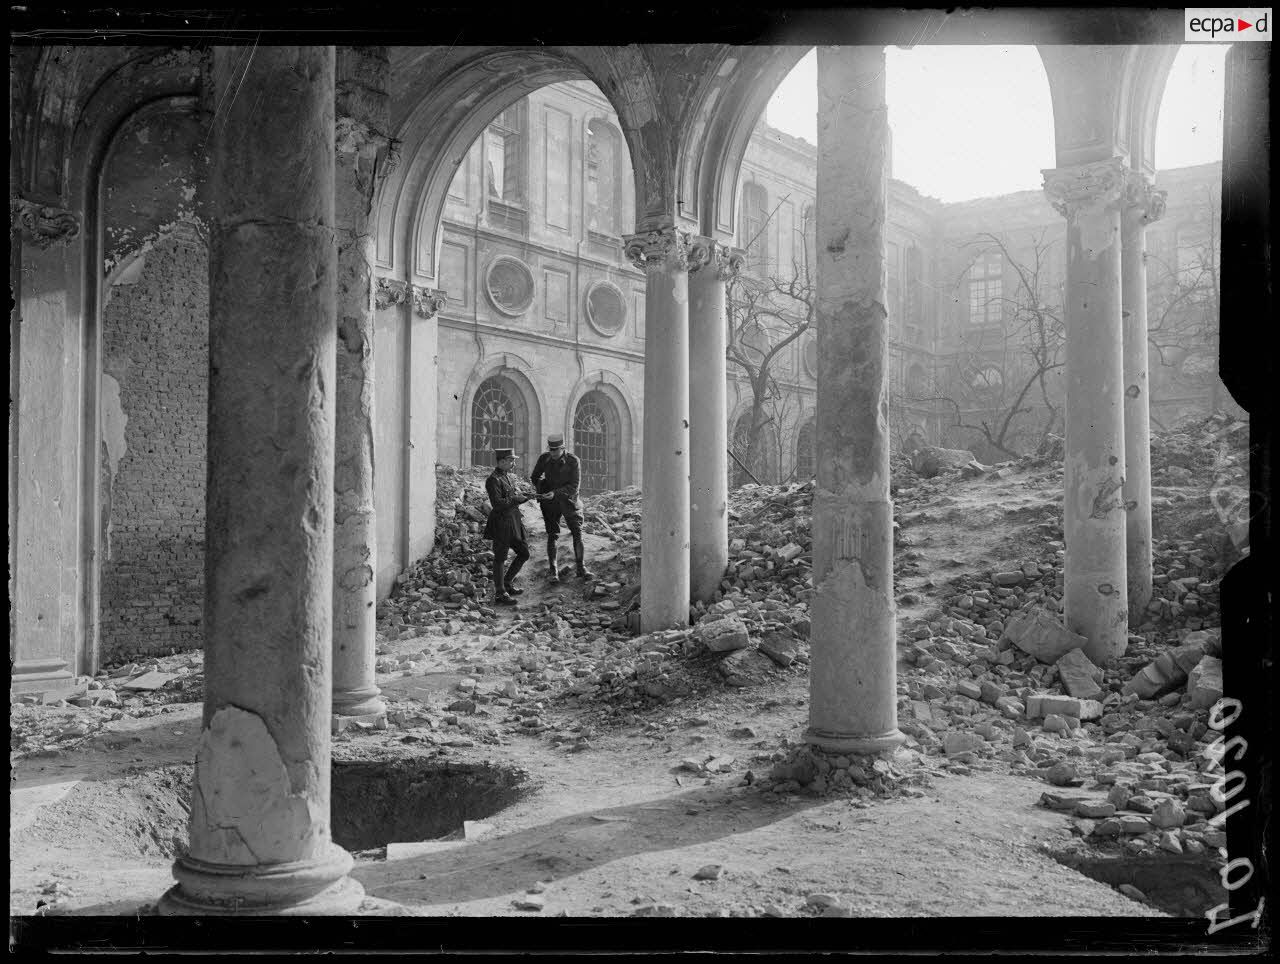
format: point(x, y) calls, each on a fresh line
point(43, 224)
point(1140, 193)
point(1072, 190)
point(661, 248)
point(724, 260)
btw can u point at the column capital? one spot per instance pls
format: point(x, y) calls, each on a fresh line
point(1072, 190)
point(661, 247)
point(390, 292)
point(1140, 193)
point(723, 260)
point(428, 301)
point(43, 224)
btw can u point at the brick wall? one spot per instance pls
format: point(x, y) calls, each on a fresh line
point(155, 346)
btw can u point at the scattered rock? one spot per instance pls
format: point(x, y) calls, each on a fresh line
point(1039, 634)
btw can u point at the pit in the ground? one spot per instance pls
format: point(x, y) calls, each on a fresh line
point(376, 803)
point(1186, 886)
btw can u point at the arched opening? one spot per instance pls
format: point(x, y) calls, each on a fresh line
point(597, 436)
point(806, 465)
point(499, 419)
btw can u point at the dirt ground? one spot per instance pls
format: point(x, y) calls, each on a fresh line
point(609, 824)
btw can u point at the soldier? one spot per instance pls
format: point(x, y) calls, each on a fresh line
point(556, 476)
point(505, 527)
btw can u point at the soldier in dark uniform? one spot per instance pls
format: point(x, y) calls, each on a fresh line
point(556, 476)
point(505, 527)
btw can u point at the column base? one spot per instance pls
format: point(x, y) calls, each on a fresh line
point(362, 704)
point(854, 743)
point(316, 887)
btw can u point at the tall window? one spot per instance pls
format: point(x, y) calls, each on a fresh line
point(805, 463)
point(917, 383)
point(803, 240)
point(913, 307)
point(985, 276)
point(604, 178)
point(755, 237)
point(499, 419)
point(596, 442)
point(504, 155)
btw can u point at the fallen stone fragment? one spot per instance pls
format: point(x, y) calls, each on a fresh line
point(475, 829)
point(961, 741)
point(149, 681)
point(709, 872)
point(1079, 676)
point(1011, 578)
point(529, 902)
point(1094, 810)
point(654, 910)
point(1058, 801)
point(1204, 684)
point(781, 649)
point(1039, 634)
point(723, 635)
point(1062, 775)
point(837, 910)
point(1168, 814)
point(822, 900)
point(1170, 842)
point(1132, 893)
point(969, 688)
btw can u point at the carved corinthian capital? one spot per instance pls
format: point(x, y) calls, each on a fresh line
point(428, 301)
point(1140, 193)
point(712, 255)
point(390, 292)
point(44, 225)
point(664, 247)
point(1072, 190)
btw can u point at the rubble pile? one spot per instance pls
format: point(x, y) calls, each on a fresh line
point(43, 727)
point(807, 769)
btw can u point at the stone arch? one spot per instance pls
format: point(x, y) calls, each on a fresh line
point(466, 89)
point(64, 152)
point(612, 386)
point(518, 373)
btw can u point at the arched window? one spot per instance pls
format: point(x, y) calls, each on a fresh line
point(604, 178)
point(499, 419)
point(597, 433)
point(806, 463)
point(916, 381)
point(755, 212)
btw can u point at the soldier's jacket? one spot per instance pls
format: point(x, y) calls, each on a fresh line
point(504, 523)
point(561, 477)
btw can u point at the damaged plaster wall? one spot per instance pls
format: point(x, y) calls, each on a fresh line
point(154, 387)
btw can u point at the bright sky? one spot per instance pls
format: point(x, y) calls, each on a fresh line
point(975, 121)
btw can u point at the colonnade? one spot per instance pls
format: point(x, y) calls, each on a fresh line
point(289, 605)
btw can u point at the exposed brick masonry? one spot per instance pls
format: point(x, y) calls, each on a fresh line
point(155, 344)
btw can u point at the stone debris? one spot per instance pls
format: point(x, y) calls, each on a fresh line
point(1039, 634)
point(1204, 683)
point(1078, 675)
point(709, 872)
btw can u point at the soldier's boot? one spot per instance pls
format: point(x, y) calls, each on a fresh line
point(512, 571)
point(578, 553)
point(554, 573)
point(500, 596)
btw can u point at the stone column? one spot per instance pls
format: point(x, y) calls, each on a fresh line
point(1142, 205)
point(260, 832)
point(853, 673)
point(710, 265)
point(664, 527)
point(1096, 593)
point(361, 105)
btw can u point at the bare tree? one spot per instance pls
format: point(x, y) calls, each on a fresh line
point(1183, 308)
point(1000, 385)
point(765, 316)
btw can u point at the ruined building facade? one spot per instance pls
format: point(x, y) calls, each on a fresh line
point(150, 202)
